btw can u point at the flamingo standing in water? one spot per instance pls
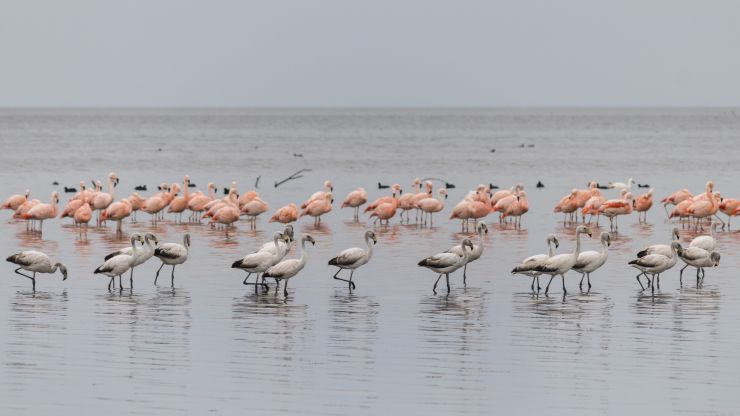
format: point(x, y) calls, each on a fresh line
point(355, 199)
point(593, 205)
point(567, 205)
point(729, 207)
point(406, 202)
point(582, 196)
point(172, 254)
point(101, 200)
point(253, 209)
point(286, 214)
point(518, 208)
point(676, 198)
point(197, 203)
point(155, 204)
point(384, 211)
point(353, 258)
point(36, 262)
point(428, 188)
point(43, 212)
point(287, 269)
point(528, 266)
point(396, 192)
point(226, 215)
point(15, 201)
point(480, 204)
point(463, 210)
point(642, 204)
point(117, 211)
point(83, 215)
point(562, 263)
point(72, 206)
point(180, 203)
point(707, 207)
point(136, 203)
point(432, 205)
point(318, 207)
point(320, 195)
point(24, 208)
point(447, 262)
point(613, 208)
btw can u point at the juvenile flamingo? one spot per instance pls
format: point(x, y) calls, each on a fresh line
point(172, 254)
point(355, 199)
point(353, 258)
point(287, 269)
point(446, 263)
point(36, 262)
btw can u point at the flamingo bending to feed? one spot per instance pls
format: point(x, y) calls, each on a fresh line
point(172, 254)
point(528, 266)
point(286, 214)
point(15, 201)
point(318, 207)
point(355, 199)
point(260, 261)
point(287, 269)
point(676, 198)
point(36, 262)
point(589, 261)
point(117, 211)
point(119, 264)
point(561, 263)
point(699, 258)
point(43, 212)
point(655, 264)
point(642, 204)
point(384, 211)
point(446, 263)
point(319, 195)
point(432, 205)
point(475, 252)
point(353, 258)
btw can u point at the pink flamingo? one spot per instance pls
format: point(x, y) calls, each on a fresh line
point(463, 211)
point(43, 212)
point(385, 210)
point(83, 215)
point(117, 211)
point(101, 200)
point(582, 196)
point(428, 188)
point(230, 199)
point(320, 195)
point(247, 198)
point(253, 209)
point(613, 208)
point(24, 208)
point(729, 206)
point(286, 214)
point(180, 203)
point(706, 207)
point(567, 205)
point(593, 205)
point(82, 194)
point(72, 206)
point(406, 202)
point(432, 205)
point(681, 210)
point(318, 207)
point(226, 215)
point(395, 192)
point(642, 204)
point(503, 204)
point(498, 195)
point(517, 209)
point(197, 203)
point(355, 199)
point(676, 198)
point(15, 201)
point(155, 204)
point(136, 203)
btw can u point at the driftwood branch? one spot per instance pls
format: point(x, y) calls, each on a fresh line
point(291, 177)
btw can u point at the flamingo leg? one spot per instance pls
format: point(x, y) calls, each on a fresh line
point(156, 276)
point(173, 275)
point(547, 289)
point(434, 289)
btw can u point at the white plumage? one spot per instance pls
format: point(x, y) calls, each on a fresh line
point(283, 243)
point(446, 263)
point(36, 262)
point(561, 263)
point(475, 253)
point(260, 261)
point(699, 258)
point(289, 268)
point(120, 263)
point(590, 261)
point(664, 249)
point(706, 242)
point(353, 258)
point(655, 264)
point(172, 254)
point(529, 265)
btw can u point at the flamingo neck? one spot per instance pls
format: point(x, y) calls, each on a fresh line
point(304, 255)
point(577, 250)
point(211, 193)
point(549, 248)
point(369, 247)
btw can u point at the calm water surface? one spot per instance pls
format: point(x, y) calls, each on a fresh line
point(210, 345)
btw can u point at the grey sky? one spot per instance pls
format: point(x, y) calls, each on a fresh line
point(369, 53)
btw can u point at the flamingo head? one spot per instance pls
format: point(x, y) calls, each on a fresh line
point(606, 238)
point(715, 258)
point(551, 239)
point(482, 227)
point(582, 229)
point(443, 192)
point(309, 238)
point(63, 269)
point(369, 234)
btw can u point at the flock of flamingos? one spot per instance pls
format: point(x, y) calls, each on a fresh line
point(270, 262)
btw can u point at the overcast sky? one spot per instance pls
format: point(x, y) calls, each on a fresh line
point(369, 53)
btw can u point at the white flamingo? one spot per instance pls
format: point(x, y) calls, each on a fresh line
point(561, 263)
point(119, 264)
point(622, 185)
point(141, 255)
point(699, 258)
point(353, 258)
point(664, 249)
point(36, 262)
point(655, 264)
point(707, 242)
point(475, 253)
point(529, 265)
point(290, 267)
point(446, 263)
point(284, 244)
point(589, 261)
point(172, 254)
point(260, 261)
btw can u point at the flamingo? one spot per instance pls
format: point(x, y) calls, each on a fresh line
point(432, 205)
point(72, 206)
point(463, 210)
point(384, 211)
point(287, 269)
point(655, 264)
point(101, 200)
point(172, 254)
point(226, 215)
point(590, 261)
point(353, 258)
point(676, 198)
point(405, 202)
point(396, 192)
point(506, 192)
point(707, 242)
point(155, 204)
point(24, 208)
point(480, 204)
point(567, 205)
point(446, 263)
point(286, 214)
point(260, 261)
point(320, 195)
point(621, 185)
point(699, 258)
point(15, 201)
point(681, 210)
point(428, 188)
point(593, 205)
point(36, 262)
point(197, 203)
point(318, 207)
point(284, 244)
point(43, 212)
point(705, 208)
point(119, 264)
point(117, 211)
point(582, 196)
point(229, 200)
point(613, 208)
point(476, 251)
point(664, 249)
point(246, 198)
point(642, 204)
point(180, 203)
point(518, 208)
point(140, 256)
point(83, 215)
point(729, 207)
point(529, 265)
point(253, 209)
point(355, 199)
point(561, 263)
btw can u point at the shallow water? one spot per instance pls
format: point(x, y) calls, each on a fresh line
point(211, 345)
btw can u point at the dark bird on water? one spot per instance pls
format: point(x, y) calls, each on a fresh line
point(68, 190)
point(540, 184)
point(381, 186)
point(143, 188)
